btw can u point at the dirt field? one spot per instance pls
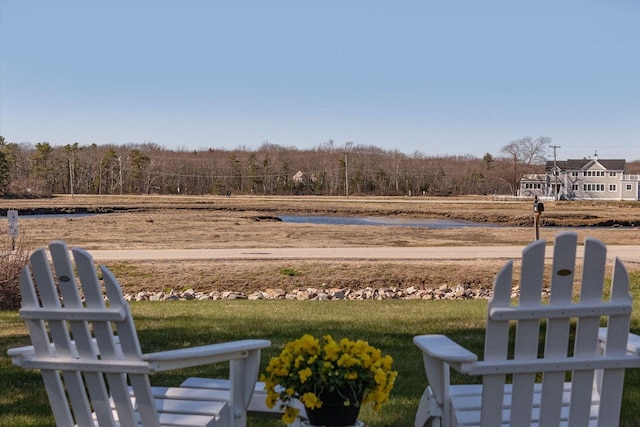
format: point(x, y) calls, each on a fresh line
point(250, 222)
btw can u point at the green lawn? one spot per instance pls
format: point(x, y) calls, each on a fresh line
point(389, 325)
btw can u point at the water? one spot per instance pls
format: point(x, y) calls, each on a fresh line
point(401, 222)
point(59, 215)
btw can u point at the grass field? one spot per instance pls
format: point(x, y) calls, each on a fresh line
point(389, 325)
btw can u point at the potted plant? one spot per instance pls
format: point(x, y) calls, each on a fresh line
point(330, 378)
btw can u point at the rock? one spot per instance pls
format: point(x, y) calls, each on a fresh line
point(337, 294)
point(276, 293)
point(461, 291)
point(141, 296)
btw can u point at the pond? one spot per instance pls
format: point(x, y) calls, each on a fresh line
point(50, 215)
point(401, 222)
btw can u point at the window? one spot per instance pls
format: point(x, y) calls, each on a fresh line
point(628, 187)
point(574, 173)
point(593, 187)
point(575, 187)
point(613, 173)
point(612, 187)
point(593, 173)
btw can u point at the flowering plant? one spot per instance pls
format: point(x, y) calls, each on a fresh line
point(307, 367)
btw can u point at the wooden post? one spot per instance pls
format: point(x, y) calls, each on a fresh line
point(538, 208)
point(12, 216)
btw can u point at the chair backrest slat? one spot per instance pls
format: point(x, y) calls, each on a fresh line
point(130, 347)
point(617, 336)
point(558, 329)
point(496, 348)
point(98, 391)
point(526, 348)
point(41, 345)
point(587, 328)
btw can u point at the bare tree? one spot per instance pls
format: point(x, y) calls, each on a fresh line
point(368, 170)
point(524, 154)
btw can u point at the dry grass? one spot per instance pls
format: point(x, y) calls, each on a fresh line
point(241, 222)
point(244, 276)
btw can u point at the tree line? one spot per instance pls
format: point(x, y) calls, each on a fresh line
point(329, 169)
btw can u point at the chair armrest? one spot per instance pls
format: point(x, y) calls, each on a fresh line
point(633, 342)
point(439, 353)
point(20, 353)
point(443, 348)
point(243, 357)
point(203, 355)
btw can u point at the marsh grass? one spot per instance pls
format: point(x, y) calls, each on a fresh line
point(389, 325)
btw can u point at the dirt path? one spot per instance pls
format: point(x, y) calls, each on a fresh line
point(628, 253)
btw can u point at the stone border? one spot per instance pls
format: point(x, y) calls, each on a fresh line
point(444, 292)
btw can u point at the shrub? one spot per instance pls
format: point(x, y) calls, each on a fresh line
point(13, 257)
point(288, 271)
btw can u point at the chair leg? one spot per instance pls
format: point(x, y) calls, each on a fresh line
point(428, 413)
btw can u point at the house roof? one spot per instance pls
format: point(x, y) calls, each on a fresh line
point(579, 164)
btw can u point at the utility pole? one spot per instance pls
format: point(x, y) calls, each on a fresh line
point(346, 176)
point(120, 171)
point(555, 172)
point(71, 168)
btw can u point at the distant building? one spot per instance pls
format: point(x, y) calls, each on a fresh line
point(584, 179)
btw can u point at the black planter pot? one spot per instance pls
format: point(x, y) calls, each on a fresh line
point(333, 412)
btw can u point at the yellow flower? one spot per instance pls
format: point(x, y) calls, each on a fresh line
point(346, 361)
point(380, 376)
point(310, 400)
point(387, 361)
point(271, 400)
point(304, 374)
point(331, 351)
point(290, 415)
point(351, 376)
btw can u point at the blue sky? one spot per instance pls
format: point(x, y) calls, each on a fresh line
point(446, 77)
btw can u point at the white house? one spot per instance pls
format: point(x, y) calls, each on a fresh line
point(583, 179)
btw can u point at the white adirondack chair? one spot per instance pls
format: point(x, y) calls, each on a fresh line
point(91, 362)
point(565, 381)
